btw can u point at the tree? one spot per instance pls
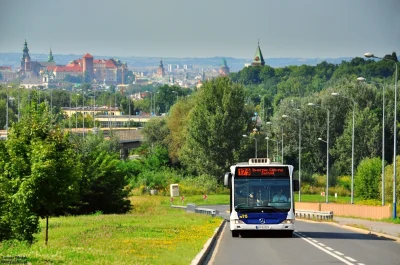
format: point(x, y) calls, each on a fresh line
point(102, 185)
point(40, 173)
point(215, 127)
point(367, 178)
point(177, 122)
point(156, 132)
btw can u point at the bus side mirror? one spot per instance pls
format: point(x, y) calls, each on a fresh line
point(228, 179)
point(296, 185)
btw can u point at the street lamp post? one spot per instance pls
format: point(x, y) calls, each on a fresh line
point(281, 142)
point(299, 122)
point(70, 110)
point(383, 136)
point(255, 139)
point(327, 148)
point(76, 114)
point(83, 114)
point(129, 110)
point(370, 55)
point(7, 110)
point(352, 146)
point(177, 96)
point(19, 104)
point(51, 101)
point(277, 145)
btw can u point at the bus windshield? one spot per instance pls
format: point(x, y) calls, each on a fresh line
point(266, 194)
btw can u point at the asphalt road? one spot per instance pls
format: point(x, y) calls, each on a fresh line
point(312, 243)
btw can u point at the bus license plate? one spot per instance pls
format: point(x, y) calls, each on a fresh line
point(262, 227)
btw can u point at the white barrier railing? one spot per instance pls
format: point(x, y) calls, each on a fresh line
point(314, 214)
point(193, 208)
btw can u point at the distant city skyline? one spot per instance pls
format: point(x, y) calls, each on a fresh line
point(207, 28)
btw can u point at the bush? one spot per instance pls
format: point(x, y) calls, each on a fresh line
point(344, 182)
point(367, 178)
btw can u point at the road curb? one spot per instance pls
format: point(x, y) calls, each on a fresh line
point(360, 230)
point(368, 232)
point(200, 258)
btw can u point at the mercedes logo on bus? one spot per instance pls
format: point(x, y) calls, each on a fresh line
point(262, 221)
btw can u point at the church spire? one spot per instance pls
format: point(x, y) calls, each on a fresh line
point(258, 57)
point(25, 50)
point(50, 58)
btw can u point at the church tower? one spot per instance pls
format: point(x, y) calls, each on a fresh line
point(160, 69)
point(25, 55)
point(224, 70)
point(258, 57)
point(50, 58)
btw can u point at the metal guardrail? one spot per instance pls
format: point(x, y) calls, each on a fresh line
point(314, 214)
point(193, 208)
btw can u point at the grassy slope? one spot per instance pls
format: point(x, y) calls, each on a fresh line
point(153, 234)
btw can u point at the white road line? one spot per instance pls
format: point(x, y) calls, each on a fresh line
point(314, 240)
point(328, 248)
point(322, 245)
point(351, 259)
point(339, 253)
point(327, 251)
point(361, 264)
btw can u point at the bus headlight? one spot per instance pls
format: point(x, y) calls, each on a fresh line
point(288, 221)
point(238, 221)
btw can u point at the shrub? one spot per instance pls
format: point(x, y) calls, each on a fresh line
point(344, 182)
point(367, 178)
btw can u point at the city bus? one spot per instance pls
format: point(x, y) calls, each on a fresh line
point(261, 197)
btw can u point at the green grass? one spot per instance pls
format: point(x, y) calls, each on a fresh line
point(154, 233)
point(199, 200)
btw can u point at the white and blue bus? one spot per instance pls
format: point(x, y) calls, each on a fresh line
point(261, 197)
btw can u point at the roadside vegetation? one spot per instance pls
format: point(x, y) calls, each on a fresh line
point(152, 233)
point(49, 174)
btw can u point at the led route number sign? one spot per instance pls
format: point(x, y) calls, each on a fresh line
point(262, 172)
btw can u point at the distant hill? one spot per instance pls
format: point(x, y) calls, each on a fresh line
point(235, 64)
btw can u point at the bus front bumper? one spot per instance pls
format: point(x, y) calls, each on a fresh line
point(289, 225)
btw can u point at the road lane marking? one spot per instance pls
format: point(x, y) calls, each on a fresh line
point(325, 250)
point(328, 248)
point(351, 259)
point(339, 253)
point(322, 245)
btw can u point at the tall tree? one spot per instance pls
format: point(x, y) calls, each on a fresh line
point(215, 127)
point(40, 172)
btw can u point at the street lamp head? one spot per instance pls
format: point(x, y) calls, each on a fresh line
point(268, 122)
point(311, 104)
point(369, 55)
point(335, 94)
point(319, 138)
point(285, 116)
point(360, 78)
point(244, 135)
point(267, 138)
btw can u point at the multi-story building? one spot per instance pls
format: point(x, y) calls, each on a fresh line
point(170, 68)
point(31, 68)
point(6, 73)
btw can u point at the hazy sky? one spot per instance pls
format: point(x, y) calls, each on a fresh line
point(202, 28)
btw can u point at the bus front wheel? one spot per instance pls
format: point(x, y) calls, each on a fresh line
point(235, 233)
point(288, 233)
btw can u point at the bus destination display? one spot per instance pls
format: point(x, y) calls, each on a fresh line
point(262, 172)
